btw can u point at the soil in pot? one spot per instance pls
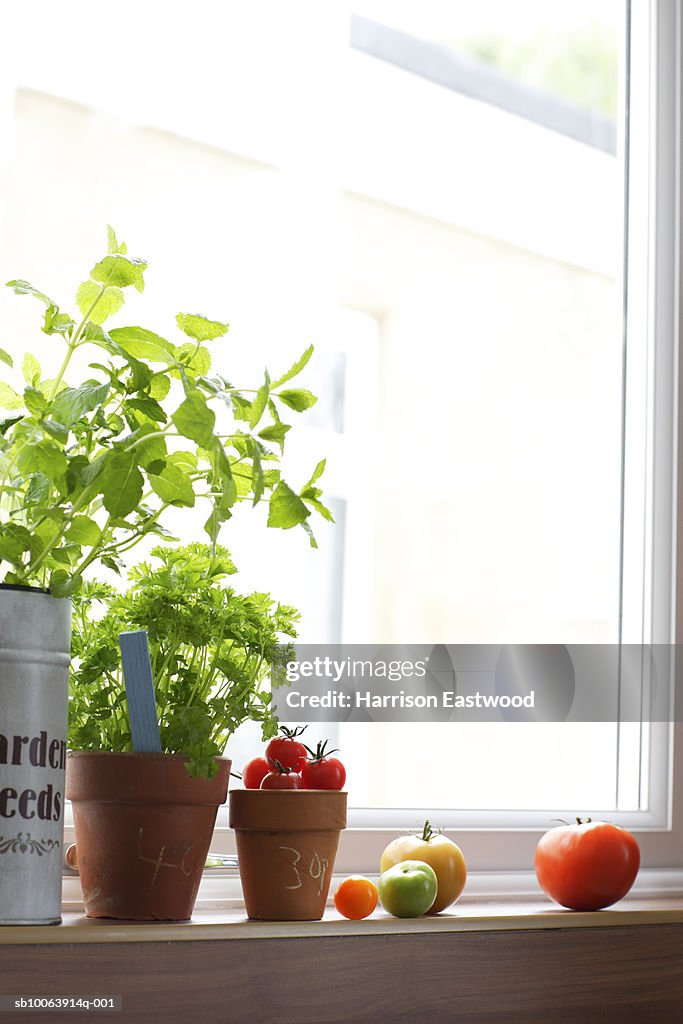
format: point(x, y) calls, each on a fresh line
point(143, 830)
point(286, 846)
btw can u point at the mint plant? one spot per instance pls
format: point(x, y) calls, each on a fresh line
point(89, 469)
point(211, 650)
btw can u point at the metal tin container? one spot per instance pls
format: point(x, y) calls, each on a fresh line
point(35, 643)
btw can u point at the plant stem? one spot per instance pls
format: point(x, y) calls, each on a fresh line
point(73, 343)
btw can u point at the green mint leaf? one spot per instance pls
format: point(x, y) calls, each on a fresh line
point(97, 334)
point(8, 422)
point(257, 477)
point(141, 374)
point(271, 477)
point(61, 555)
point(63, 585)
point(83, 531)
point(35, 401)
point(196, 359)
point(185, 460)
point(44, 457)
point(286, 508)
point(199, 328)
point(90, 471)
point(212, 526)
point(143, 344)
point(120, 271)
point(276, 433)
point(151, 449)
point(72, 403)
point(241, 406)
point(10, 551)
point(56, 322)
point(160, 386)
point(121, 484)
point(24, 288)
point(194, 419)
point(294, 370)
point(56, 430)
point(317, 473)
point(113, 245)
point(319, 507)
point(38, 489)
point(173, 486)
point(6, 358)
point(224, 478)
point(30, 368)
point(98, 304)
point(149, 407)
point(19, 536)
point(297, 398)
point(9, 399)
point(258, 406)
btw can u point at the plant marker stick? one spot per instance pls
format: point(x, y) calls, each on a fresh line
point(142, 708)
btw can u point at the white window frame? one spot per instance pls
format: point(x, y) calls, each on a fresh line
point(495, 841)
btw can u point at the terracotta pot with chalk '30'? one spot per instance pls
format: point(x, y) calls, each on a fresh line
point(143, 829)
point(286, 846)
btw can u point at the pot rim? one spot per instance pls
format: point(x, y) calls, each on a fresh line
point(26, 588)
point(287, 792)
point(287, 810)
point(145, 777)
point(137, 754)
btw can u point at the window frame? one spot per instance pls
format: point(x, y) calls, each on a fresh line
point(509, 847)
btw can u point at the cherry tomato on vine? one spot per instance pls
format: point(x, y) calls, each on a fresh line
point(280, 777)
point(356, 897)
point(255, 772)
point(286, 748)
point(320, 771)
point(587, 866)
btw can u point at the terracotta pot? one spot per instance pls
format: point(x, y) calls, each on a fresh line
point(286, 845)
point(143, 829)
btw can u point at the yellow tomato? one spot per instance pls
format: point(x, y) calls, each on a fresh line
point(440, 853)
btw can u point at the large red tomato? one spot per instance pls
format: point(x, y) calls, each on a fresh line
point(587, 866)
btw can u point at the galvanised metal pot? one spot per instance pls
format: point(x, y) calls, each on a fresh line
point(35, 645)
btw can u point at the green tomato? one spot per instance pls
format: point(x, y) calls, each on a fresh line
point(408, 889)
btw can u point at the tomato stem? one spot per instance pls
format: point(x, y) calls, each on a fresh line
point(291, 734)
point(428, 832)
point(320, 753)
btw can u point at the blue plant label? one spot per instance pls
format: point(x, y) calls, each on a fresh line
point(142, 708)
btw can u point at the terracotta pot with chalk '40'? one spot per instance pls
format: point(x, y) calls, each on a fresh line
point(286, 846)
point(143, 828)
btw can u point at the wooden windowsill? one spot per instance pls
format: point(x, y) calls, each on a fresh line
point(218, 921)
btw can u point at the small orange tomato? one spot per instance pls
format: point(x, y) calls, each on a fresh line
point(356, 897)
